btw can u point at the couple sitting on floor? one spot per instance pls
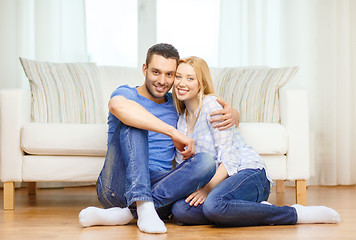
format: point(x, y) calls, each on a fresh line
point(218, 179)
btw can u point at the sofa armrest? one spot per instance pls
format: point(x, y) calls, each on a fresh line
point(295, 117)
point(15, 110)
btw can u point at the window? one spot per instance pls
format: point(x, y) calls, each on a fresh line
point(191, 26)
point(112, 32)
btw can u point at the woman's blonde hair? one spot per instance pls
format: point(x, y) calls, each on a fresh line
point(202, 73)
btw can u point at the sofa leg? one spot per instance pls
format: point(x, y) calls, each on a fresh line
point(32, 188)
point(301, 192)
point(280, 186)
point(9, 195)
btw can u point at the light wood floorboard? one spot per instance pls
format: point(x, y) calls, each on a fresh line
point(53, 214)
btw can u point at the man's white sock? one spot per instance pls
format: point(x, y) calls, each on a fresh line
point(91, 216)
point(148, 220)
point(316, 214)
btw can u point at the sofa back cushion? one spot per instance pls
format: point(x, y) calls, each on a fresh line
point(64, 92)
point(254, 91)
point(114, 76)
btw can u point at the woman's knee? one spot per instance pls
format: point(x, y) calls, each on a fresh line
point(218, 211)
point(212, 208)
point(188, 215)
point(179, 209)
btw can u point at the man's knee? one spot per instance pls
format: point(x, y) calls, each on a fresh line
point(126, 131)
point(205, 164)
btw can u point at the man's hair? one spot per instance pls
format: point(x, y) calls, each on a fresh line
point(163, 49)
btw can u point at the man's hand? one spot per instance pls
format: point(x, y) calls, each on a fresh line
point(133, 114)
point(227, 118)
point(198, 197)
point(184, 144)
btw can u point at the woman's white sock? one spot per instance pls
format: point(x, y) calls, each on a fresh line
point(316, 214)
point(91, 216)
point(148, 220)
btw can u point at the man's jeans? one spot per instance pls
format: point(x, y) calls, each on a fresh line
point(236, 202)
point(126, 178)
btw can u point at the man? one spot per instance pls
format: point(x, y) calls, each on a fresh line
point(141, 146)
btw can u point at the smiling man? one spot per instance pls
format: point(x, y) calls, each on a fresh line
point(137, 176)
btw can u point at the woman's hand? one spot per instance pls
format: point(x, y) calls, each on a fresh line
point(198, 197)
point(228, 116)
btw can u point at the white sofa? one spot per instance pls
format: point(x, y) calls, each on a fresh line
point(46, 152)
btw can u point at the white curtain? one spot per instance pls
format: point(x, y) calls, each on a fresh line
point(45, 30)
point(319, 36)
point(249, 33)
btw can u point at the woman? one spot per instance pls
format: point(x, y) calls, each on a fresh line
point(233, 196)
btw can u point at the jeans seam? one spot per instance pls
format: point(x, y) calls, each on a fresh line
point(134, 199)
point(129, 144)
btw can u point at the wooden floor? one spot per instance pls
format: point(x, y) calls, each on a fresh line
point(53, 214)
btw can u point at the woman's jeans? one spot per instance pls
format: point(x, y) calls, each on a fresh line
point(126, 178)
point(236, 202)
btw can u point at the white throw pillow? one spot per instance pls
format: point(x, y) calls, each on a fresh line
point(64, 92)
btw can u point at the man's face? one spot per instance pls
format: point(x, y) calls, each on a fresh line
point(159, 77)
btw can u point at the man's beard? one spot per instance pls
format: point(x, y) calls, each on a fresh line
point(152, 94)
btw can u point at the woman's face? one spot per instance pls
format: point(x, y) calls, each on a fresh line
point(186, 85)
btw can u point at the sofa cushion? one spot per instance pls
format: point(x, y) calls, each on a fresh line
point(276, 166)
point(64, 92)
point(254, 92)
point(64, 139)
point(265, 138)
point(90, 139)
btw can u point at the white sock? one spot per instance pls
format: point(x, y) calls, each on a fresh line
point(265, 202)
point(316, 214)
point(148, 220)
point(91, 216)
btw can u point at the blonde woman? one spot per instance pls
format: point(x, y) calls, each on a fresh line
point(233, 196)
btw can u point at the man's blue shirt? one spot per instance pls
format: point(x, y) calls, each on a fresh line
point(161, 148)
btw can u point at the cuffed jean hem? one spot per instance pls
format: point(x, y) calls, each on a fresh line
point(295, 218)
point(135, 199)
point(109, 199)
